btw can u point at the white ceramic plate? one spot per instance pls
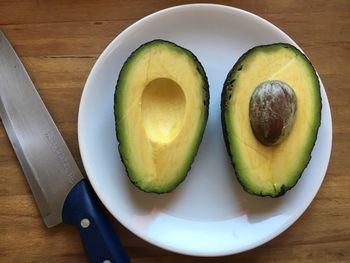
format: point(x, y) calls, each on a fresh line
point(208, 214)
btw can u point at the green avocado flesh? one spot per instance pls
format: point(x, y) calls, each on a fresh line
point(270, 170)
point(161, 110)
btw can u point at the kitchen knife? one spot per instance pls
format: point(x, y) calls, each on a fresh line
point(59, 189)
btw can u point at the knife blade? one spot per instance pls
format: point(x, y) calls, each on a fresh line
point(59, 188)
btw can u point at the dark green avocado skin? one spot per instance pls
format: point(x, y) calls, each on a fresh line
point(206, 100)
point(227, 91)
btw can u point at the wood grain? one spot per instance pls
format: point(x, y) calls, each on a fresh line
point(59, 41)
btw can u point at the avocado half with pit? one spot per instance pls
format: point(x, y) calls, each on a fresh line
point(161, 111)
point(271, 112)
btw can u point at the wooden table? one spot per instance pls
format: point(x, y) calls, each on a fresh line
point(59, 41)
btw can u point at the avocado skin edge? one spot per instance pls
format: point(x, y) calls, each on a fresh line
point(228, 89)
point(205, 90)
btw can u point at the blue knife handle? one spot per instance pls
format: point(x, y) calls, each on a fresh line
point(99, 240)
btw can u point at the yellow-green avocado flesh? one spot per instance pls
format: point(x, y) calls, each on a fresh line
point(270, 170)
point(161, 110)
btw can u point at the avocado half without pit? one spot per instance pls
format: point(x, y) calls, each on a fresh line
point(271, 112)
point(161, 110)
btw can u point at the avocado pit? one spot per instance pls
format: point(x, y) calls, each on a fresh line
point(272, 111)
